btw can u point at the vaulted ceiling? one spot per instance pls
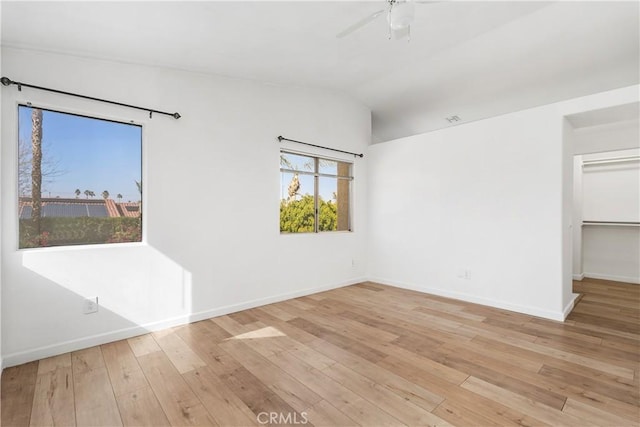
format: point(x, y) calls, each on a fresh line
point(470, 59)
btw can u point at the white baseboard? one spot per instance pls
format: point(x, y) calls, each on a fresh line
point(21, 357)
point(625, 279)
point(533, 311)
point(578, 277)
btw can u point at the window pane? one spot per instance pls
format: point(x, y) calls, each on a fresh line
point(79, 179)
point(297, 205)
point(333, 167)
point(329, 167)
point(333, 204)
point(296, 162)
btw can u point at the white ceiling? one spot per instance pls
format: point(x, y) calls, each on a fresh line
point(471, 59)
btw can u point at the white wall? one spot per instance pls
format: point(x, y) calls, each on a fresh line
point(211, 180)
point(489, 200)
point(612, 253)
point(577, 218)
point(606, 137)
point(611, 191)
point(1, 199)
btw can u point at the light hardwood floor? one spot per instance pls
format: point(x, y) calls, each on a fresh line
point(362, 355)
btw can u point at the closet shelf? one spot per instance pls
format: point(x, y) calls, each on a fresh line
point(613, 223)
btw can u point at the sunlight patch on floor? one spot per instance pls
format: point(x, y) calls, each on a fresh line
point(267, 332)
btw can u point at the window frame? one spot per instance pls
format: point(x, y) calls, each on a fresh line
point(316, 178)
point(79, 111)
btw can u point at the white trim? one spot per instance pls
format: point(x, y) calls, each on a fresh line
point(625, 279)
point(21, 357)
point(578, 277)
point(567, 310)
point(533, 311)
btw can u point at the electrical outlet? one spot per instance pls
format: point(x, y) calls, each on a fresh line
point(90, 305)
point(463, 273)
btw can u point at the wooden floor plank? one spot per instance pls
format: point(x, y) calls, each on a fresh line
point(366, 354)
point(223, 405)
point(53, 403)
point(180, 354)
point(141, 408)
point(284, 385)
point(527, 406)
point(178, 401)
point(256, 395)
point(333, 392)
point(324, 414)
point(124, 371)
point(581, 409)
point(382, 397)
point(18, 388)
point(95, 402)
point(143, 344)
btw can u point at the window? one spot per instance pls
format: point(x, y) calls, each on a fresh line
point(79, 179)
point(314, 194)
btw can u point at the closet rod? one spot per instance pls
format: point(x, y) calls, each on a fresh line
point(611, 160)
point(615, 223)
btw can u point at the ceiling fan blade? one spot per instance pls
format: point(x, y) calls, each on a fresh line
point(359, 24)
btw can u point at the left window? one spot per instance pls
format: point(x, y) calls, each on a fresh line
point(79, 179)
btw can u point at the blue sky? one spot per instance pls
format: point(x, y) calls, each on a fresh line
point(93, 154)
point(328, 186)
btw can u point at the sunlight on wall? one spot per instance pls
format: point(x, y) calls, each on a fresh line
point(136, 282)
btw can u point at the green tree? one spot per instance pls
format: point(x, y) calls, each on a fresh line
point(105, 194)
point(78, 192)
point(119, 196)
point(328, 216)
point(297, 216)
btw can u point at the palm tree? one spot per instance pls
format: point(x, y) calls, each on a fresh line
point(78, 192)
point(86, 193)
point(105, 194)
point(36, 168)
point(91, 193)
point(119, 196)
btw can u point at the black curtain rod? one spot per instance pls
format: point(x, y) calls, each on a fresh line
point(282, 138)
point(7, 81)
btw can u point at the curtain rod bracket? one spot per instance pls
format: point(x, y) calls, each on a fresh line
point(6, 81)
point(282, 138)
